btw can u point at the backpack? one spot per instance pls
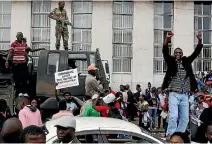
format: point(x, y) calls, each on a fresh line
point(114, 113)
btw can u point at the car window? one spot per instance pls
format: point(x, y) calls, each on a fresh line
point(90, 138)
point(113, 136)
point(121, 138)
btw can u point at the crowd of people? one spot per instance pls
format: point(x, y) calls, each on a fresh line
point(182, 97)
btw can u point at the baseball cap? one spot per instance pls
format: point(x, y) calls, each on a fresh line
point(95, 96)
point(23, 95)
point(109, 98)
point(66, 122)
point(91, 67)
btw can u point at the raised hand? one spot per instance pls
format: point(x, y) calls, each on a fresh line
point(169, 34)
point(199, 36)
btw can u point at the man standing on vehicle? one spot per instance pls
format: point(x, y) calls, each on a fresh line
point(66, 127)
point(61, 29)
point(91, 84)
point(18, 54)
point(179, 81)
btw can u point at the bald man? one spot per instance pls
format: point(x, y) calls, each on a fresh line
point(11, 130)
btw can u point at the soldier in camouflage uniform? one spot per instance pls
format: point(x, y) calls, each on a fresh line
point(60, 15)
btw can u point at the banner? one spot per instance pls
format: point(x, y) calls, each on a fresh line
point(67, 78)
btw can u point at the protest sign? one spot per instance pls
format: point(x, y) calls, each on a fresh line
point(67, 78)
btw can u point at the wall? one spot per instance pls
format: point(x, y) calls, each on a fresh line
point(142, 67)
point(102, 30)
point(143, 34)
point(183, 32)
point(21, 20)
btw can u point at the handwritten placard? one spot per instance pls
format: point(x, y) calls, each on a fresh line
point(67, 78)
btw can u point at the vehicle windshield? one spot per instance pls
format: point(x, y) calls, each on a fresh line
point(78, 61)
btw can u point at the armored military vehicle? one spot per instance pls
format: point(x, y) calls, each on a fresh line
point(42, 81)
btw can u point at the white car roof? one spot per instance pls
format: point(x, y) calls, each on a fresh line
point(96, 123)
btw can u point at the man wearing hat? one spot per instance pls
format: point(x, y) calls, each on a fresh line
point(66, 127)
point(91, 84)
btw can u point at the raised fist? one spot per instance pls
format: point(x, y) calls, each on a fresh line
point(199, 36)
point(169, 34)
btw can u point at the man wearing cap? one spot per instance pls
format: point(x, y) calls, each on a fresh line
point(91, 84)
point(110, 101)
point(66, 127)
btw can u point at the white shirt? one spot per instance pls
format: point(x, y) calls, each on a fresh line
point(125, 96)
point(162, 101)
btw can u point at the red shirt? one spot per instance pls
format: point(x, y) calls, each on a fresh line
point(113, 92)
point(19, 52)
point(104, 109)
point(117, 105)
point(17, 44)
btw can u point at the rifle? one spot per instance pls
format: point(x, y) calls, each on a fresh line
point(64, 21)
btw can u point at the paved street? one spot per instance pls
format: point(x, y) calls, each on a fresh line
point(159, 132)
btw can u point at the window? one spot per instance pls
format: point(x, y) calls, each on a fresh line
point(202, 25)
point(163, 23)
point(40, 26)
point(82, 25)
point(92, 59)
point(83, 137)
point(5, 24)
point(53, 63)
point(89, 138)
point(79, 61)
point(122, 36)
point(124, 137)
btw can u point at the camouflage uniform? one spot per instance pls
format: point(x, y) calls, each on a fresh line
point(61, 28)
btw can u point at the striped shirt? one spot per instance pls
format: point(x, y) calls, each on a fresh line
point(180, 83)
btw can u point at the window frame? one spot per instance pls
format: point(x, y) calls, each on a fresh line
point(81, 70)
point(81, 29)
point(158, 61)
point(121, 44)
point(2, 14)
point(201, 59)
point(47, 44)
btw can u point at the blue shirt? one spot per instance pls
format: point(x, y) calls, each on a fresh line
point(71, 106)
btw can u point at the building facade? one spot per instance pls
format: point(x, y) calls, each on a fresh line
point(129, 34)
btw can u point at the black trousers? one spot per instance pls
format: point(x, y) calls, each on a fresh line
point(20, 75)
